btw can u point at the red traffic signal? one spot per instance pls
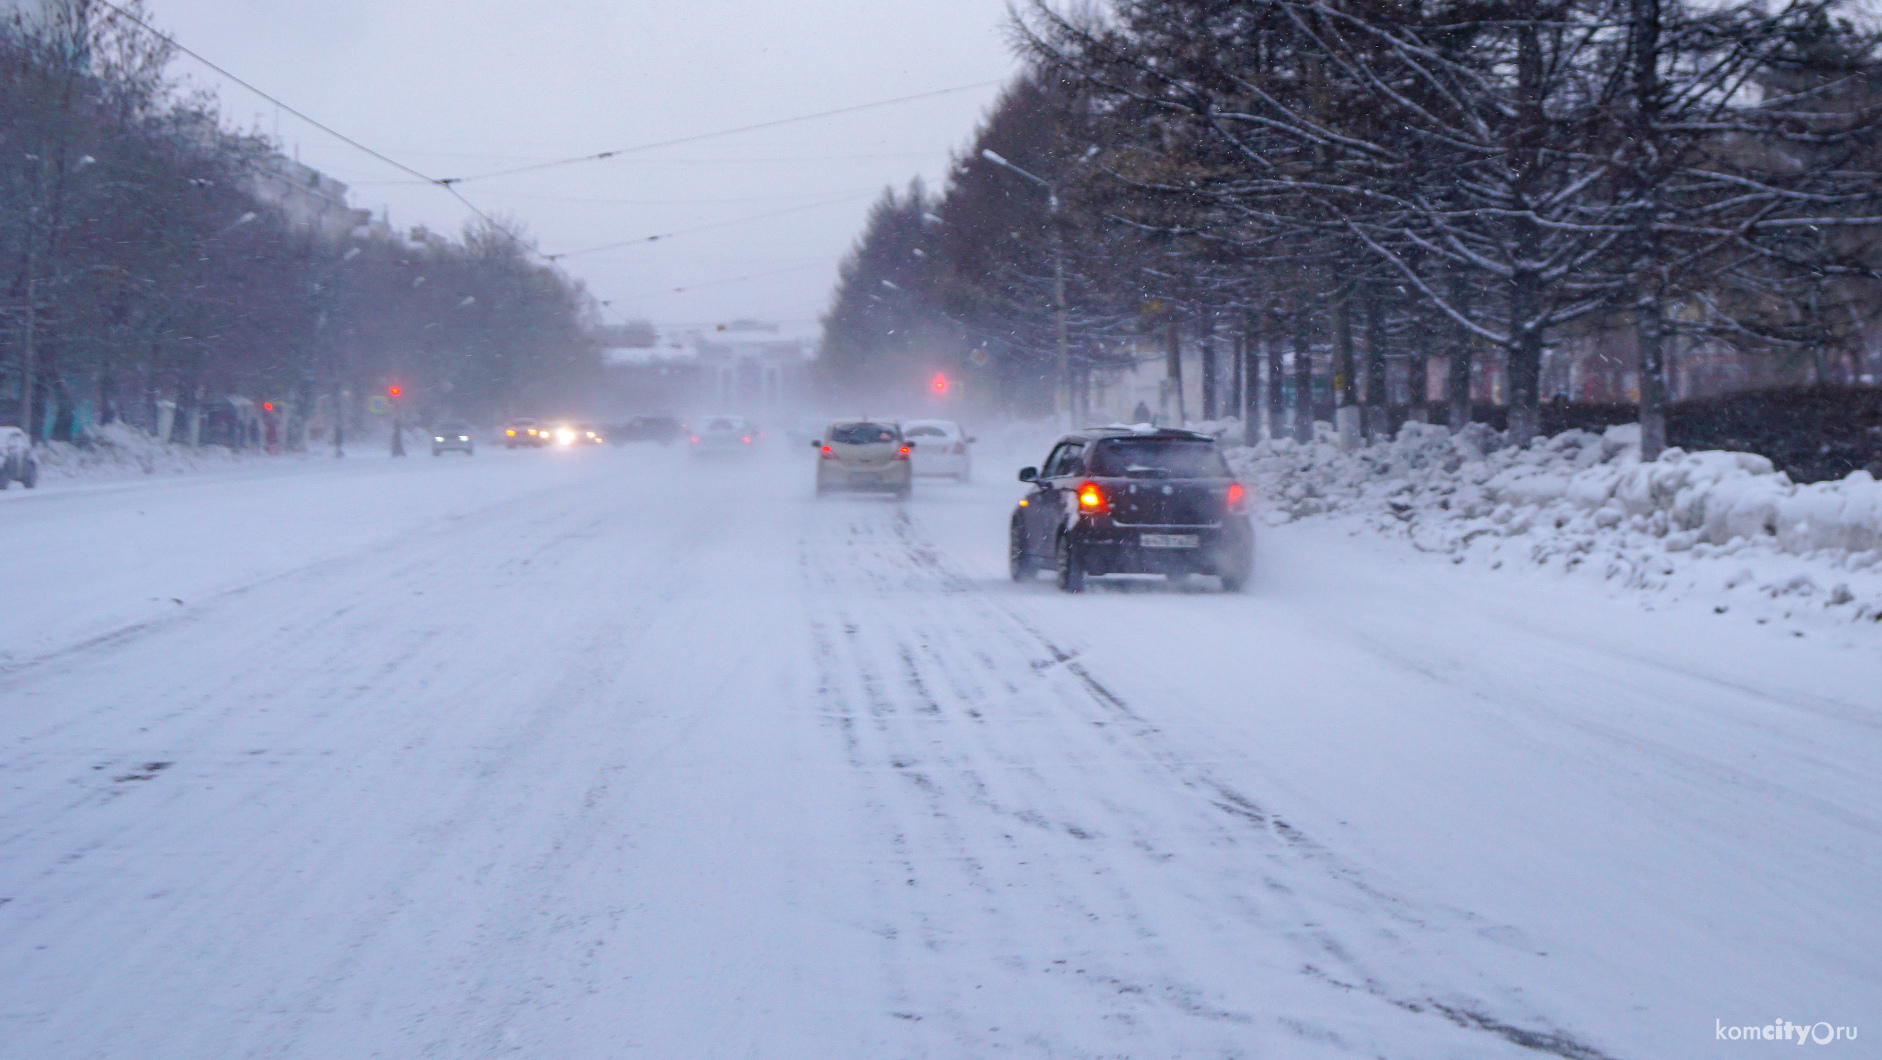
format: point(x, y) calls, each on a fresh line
point(940, 383)
point(393, 391)
point(267, 406)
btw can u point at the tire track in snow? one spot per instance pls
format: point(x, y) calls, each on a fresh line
point(962, 640)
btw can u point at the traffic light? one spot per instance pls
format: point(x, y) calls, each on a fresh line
point(267, 406)
point(395, 392)
point(940, 383)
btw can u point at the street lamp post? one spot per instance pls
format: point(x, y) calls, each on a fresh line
point(324, 304)
point(1058, 280)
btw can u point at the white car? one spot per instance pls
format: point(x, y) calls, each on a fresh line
point(863, 456)
point(723, 436)
point(16, 459)
point(940, 448)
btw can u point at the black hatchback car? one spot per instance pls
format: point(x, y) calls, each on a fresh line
point(1124, 501)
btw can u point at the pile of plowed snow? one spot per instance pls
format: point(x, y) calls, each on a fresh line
point(1707, 523)
point(118, 450)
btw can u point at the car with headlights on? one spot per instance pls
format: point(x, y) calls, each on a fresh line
point(1132, 501)
point(940, 449)
point(452, 436)
point(723, 436)
point(525, 431)
point(864, 456)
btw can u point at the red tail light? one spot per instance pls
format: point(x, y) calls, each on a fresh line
point(902, 453)
point(695, 439)
point(1238, 498)
point(747, 439)
point(1092, 499)
point(828, 453)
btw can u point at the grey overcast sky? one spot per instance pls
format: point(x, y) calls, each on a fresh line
point(459, 87)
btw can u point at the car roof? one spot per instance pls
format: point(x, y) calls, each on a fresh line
point(932, 423)
point(1167, 433)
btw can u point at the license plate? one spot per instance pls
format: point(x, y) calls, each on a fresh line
point(867, 480)
point(1170, 541)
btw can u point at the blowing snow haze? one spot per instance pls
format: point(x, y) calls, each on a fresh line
point(857, 530)
point(458, 89)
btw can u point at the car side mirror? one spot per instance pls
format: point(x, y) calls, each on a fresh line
point(816, 443)
point(972, 441)
point(910, 445)
point(1029, 474)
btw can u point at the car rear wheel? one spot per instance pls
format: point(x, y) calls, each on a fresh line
point(1019, 560)
point(1071, 565)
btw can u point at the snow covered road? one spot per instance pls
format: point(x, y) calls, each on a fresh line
point(610, 753)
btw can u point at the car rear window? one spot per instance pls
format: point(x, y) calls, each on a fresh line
point(862, 434)
point(722, 425)
point(1158, 458)
point(926, 432)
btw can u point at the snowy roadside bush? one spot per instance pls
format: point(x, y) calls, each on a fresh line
point(118, 450)
point(1580, 501)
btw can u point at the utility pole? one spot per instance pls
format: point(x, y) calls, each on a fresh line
point(1346, 417)
point(1173, 369)
point(1277, 381)
point(1209, 375)
point(1303, 375)
point(29, 348)
point(1251, 376)
point(1063, 337)
point(398, 434)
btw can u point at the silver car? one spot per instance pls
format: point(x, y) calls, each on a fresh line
point(865, 457)
point(723, 436)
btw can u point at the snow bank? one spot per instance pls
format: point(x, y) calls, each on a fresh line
point(1581, 500)
point(118, 450)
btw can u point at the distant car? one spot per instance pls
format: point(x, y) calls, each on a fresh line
point(452, 437)
point(940, 448)
point(723, 435)
point(863, 456)
point(586, 434)
point(663, 429)
point(524, 432)
point(1129, 501)
point(17, 463)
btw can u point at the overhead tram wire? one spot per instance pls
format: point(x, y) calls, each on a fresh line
point(704, 228)
point(322, 126)
point(448, 184)
point(727, 281)
point(604, 155)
